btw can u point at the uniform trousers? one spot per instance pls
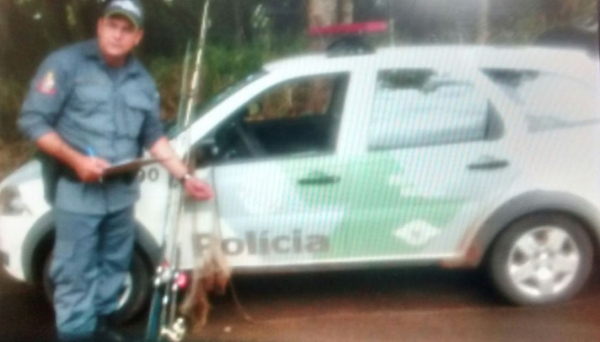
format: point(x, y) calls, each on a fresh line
point(91, 259)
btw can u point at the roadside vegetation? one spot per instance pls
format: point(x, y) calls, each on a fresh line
point(245, 34)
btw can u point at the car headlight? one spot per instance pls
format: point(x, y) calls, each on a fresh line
point(11, 202)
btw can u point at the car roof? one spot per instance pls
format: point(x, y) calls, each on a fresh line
point(570, 62)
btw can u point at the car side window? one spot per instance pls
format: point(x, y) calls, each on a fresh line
point(298, 117)
point(419, 108)
point(549, 101)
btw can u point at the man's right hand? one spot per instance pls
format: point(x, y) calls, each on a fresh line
point(90, 169)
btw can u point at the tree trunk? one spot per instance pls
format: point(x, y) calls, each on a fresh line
point(5, 6)
point(483, 24)
point(568, 9)
point(322, 12)
point(325, 13)
point(237, 19)
point(345, 11)
point(559, 12)
point(57, 32)
point(86, 14)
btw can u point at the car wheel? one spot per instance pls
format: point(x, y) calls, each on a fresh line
point(541, 259)
point(135, 293)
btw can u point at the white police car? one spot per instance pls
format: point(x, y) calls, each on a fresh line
point(458, 156)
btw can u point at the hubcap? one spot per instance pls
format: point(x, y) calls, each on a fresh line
point(543, 262)
point(123, 297)
point(126, 291)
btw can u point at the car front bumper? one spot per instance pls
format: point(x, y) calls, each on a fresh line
point(13, 232)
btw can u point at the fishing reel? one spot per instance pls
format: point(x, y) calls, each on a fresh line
point(164, 324)
point(175, 333)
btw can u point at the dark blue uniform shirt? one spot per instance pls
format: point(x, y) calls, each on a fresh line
point(93, 107)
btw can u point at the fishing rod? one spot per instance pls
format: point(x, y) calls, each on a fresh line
point(160, 278)
point(163, 323)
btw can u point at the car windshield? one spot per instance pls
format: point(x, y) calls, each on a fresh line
point(549, 100)
point(172, 128)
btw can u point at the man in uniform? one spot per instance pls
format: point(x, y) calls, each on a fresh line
point(91, 105)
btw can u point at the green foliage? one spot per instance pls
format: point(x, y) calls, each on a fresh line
point(223, 66)
point(11, 97)
point(244, 34)
point(167, 75)
point(227, 65)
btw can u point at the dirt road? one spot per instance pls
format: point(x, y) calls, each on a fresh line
point(373, 305)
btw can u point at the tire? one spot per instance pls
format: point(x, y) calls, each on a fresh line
point(541, 259)
point(136, 292)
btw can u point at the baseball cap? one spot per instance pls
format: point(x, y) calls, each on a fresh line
point(131, 9)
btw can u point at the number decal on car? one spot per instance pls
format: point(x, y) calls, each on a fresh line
point(151, 175)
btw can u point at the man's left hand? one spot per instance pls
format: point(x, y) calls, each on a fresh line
point(197, 189)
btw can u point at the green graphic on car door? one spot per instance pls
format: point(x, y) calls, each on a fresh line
point(383, 213)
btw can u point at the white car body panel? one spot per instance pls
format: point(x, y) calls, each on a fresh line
point(547, 171)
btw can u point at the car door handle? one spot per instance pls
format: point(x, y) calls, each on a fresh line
point(319, 179)
point(488, 163)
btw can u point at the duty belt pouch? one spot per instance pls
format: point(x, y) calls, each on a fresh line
point(126, 177)
point(51, 172)
point(52, 169)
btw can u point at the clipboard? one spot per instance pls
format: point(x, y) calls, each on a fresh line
point(128, 166)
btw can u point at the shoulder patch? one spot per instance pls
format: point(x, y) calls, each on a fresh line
point(47, 85)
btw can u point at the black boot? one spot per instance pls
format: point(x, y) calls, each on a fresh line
point(87, 338)
point(106, 321)
point(106, 330)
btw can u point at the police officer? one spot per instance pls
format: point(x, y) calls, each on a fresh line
point(91, 105)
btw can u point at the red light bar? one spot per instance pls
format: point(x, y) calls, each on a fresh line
point(355, 28)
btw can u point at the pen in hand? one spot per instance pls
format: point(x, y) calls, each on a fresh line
point(91, 153)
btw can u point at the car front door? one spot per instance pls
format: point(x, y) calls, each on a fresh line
point(276, 173)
